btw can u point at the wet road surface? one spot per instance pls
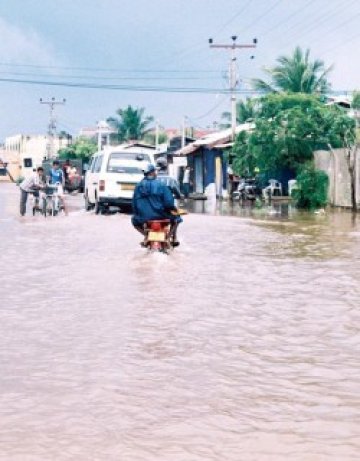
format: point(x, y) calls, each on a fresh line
point(242, 345)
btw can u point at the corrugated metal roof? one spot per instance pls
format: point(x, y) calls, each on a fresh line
point(214, 139)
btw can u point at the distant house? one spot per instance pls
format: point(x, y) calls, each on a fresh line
point(346, 103)
point(175, 143)
point(89, 132)
point(137, 147)
point(26, 152)
point(341, 101)
point(206, 158)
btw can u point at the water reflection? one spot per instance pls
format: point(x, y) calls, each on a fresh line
point(242, 345)
point(247, 209)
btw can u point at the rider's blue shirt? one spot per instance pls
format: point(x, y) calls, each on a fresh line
point(55, 176)
point(152, 200)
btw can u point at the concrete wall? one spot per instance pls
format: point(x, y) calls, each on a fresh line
point(335, 165)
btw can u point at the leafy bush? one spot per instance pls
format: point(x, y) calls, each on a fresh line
point(311, 189)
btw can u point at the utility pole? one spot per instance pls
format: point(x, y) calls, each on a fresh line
point(157, 132)
point(232, 73)
point(52, 125)
point(183, 132)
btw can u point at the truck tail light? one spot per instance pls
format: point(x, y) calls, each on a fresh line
point(101, 185)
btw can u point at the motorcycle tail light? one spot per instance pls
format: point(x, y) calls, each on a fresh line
point(156, 226)
point(102, 185)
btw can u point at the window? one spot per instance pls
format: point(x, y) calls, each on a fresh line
point(119, 163)
point(92, 164)
point(131, 156)
point(98, 164)
point(28, 163)
point(124, 169)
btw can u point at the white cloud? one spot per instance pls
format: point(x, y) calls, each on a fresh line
point(24, 46)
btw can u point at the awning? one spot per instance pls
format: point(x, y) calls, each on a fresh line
point(187, 150)
point(215, 140)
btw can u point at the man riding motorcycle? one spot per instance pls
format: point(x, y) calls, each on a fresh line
point(153, 201)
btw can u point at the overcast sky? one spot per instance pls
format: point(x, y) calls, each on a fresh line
point(156, 43)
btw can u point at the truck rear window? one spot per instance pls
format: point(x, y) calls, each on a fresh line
point(116, 165)
point(137, 156)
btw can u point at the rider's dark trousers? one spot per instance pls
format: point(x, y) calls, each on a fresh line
point(23, 200)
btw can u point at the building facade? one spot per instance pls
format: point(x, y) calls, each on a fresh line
point(27, 152)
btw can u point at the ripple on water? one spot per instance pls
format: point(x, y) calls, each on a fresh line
point(241, 345)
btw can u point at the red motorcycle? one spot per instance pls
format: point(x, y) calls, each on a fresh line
point(158, 236)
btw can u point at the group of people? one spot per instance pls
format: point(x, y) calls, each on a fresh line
point(154, 199)
point(71, 173)
point(38, 181)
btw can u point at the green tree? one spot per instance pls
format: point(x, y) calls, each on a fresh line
point(64, 135)
point(243, 157)
point(245, 111)
point(130, 123)
point(311, 190)
point(150, 138)
point(82, 148)
point(295, 74)
point(288, 129)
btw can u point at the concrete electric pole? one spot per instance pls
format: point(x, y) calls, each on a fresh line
point(157, 133)
point(52, 125)
point(233, 81)
point(183, 131)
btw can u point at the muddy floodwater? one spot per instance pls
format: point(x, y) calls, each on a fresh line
point(242, 345)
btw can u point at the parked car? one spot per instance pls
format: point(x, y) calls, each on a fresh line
point(112, 176)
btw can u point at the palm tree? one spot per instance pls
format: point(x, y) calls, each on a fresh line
point(130, 123)
point(296, 74)
point(245, 111)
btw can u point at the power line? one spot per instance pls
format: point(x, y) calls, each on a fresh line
point(32, 74)
point(318, 20)
point(123, 87)
point(299, 10)
point(103, 69)
point(180, 54)
point(265, 13)
point(199, 46)
point(233, 77)
point(308, 20)
point(191, 49)
point(236, 15)
point(154, 89)
point(210, 111)
point(345, 42)
point(338, 27)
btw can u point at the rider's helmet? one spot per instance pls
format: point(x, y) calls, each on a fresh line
point(150, 168)
point(161, 163)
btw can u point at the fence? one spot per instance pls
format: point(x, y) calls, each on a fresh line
point(334, 163)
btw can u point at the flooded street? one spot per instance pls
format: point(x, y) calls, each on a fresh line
point(242, 345)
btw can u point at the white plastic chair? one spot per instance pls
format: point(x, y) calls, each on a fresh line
point(275, 187)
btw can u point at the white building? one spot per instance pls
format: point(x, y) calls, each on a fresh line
point(27, 152)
